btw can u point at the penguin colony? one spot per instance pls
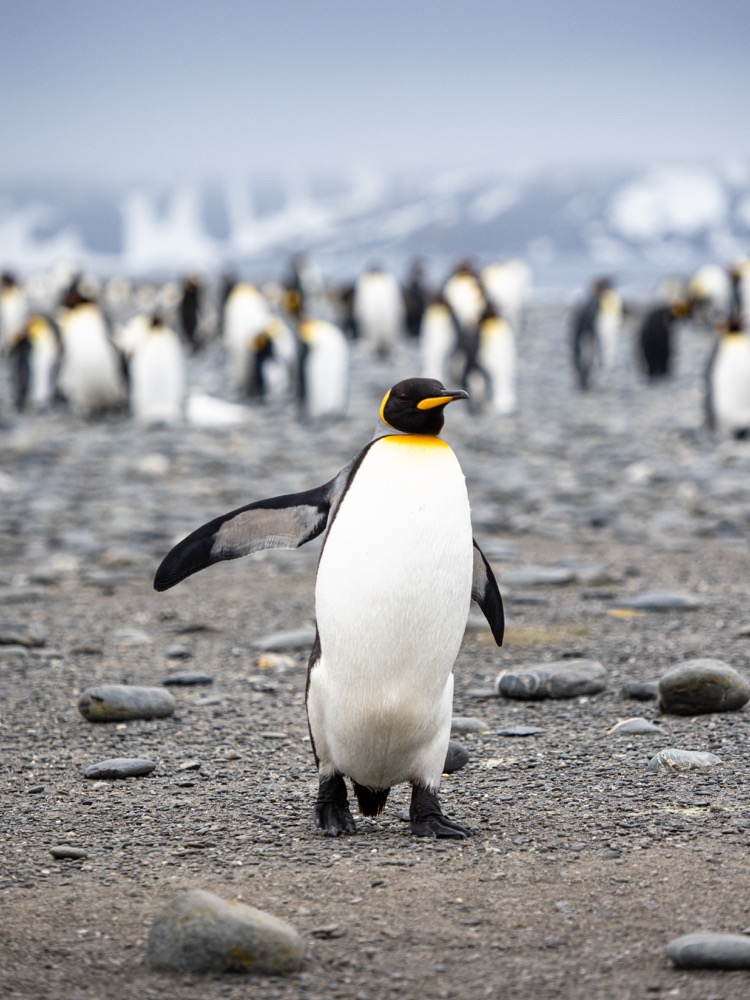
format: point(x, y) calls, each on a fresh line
point(395, 580)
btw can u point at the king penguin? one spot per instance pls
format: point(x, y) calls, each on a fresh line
point(727, 395)
point(396, 576)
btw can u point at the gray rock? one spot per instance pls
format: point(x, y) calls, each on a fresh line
point(707, 950)
point(187, 678)
point(703, 685)
point(120, 767)
point(22, 635)
point(177, 651)
point(118, 702)
point(674, 759)
point(635, 727)
point(62, 852)
point(519, 731)
point(641, 690)
point(537, 576)
point(561, 679)
point(198, 931)
point(301, 638)
point(658, 601)
point(468, 724)
point(456, 757)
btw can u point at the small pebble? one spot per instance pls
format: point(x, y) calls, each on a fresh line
point(22, 635)
point(641, 690)
point(302, 638)
point(561, 679)
point(519, 731)
point(537, 576)
point(116, 702)
point(707, 950)
point(198, 931)
point(177, 651)
point(658, 601)
point(65, 853)
point(120, 767)
point(187, 678)
point(468, 724)
point(674, 759)
point(635, 727)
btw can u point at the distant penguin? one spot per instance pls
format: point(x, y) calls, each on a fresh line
point(91, 375)
point(595, 332)
point(710, 288)
point(157, 376)
point(396, 577)
point(727, 399)
point(656, 338)
point(35, 357)
point(464, 293)
point(246, 314)
point(507, 285)
point(416, 298)
point(438, 339)
point(496, 358)
point(323, 369)
point(14, 310)
point(609, 328)
point(378, 310)
point(188, 310)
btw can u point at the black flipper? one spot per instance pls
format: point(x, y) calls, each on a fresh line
point(485, 591)
point(284, 522)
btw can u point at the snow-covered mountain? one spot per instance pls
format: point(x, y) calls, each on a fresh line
point(636, 224)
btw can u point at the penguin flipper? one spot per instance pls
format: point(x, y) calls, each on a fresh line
point(485, 591)
point(284, 522)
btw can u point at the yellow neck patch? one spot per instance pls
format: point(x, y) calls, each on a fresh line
point(416, 440)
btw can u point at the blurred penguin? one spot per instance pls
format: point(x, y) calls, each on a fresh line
point(465, 295)
point(438, 340)
point(416, 297)
point(323, 386)
point(710, 288)
point(595, 332)
point(496, 358)
point(189, 310)
point(378, 310)
point(274, 357)
point(727, 399)
point(507, 285)
point(92, 371)
point(35, 357)
point(246, 314)
point(14, 310)
point(656, 337)
point(157, 375)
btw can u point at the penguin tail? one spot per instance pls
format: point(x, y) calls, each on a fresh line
point(371, 801)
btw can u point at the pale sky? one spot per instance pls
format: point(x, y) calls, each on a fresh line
point(131, 90)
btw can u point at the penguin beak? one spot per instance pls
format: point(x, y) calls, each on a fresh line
point(445, 397)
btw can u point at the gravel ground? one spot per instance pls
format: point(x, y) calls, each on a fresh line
point(584, 863)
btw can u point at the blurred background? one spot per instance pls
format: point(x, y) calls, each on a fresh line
point(153, 137)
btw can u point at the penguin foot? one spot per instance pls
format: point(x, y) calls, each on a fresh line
point(427, 818)
point(331, 811)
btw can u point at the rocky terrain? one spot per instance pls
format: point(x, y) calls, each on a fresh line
point(584, 863)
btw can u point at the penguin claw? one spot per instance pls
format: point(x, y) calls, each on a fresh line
point(427, 818)
point(334, 819)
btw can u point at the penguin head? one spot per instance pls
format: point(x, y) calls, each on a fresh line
point(415, 406)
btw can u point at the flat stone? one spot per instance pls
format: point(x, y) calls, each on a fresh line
point(132, 637)
point(641, 690)
point(65, 853)
point(19, 595)
point(301, 638)
point(674, 759)
point(657, 601)
point(177, 651)
point(22, 635)
point(519, 731)
point(198, 931)
point(696, 687)
point(120, 767)
point(707, 950)
point(118, 702)
point(187, 678)
point(468, 724)
point(560, 679)
point(537, 576)
point(635, 727)
point(456, 757)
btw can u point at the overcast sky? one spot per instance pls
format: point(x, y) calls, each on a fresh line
point(151, 89)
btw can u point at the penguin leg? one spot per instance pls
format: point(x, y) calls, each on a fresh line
point(427, 818)
point(331, 812)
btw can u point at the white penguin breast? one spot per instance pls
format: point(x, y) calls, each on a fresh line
point(731, 383)
point(392, 598)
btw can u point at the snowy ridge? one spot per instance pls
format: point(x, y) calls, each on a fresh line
point(664, 218)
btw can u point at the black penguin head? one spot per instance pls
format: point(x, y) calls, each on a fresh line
point(416, 405)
